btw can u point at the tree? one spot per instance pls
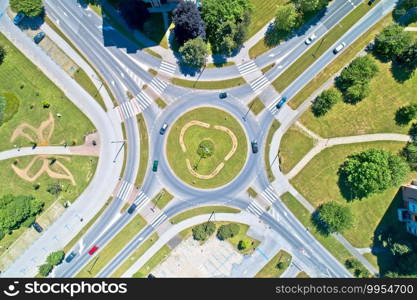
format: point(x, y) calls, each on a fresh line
point(45, 269)
point(134, 12)
point(2, 54)
point(333, 218)
point(54, 188)
point(30, 8)
point(55, 258)
point(408, 58)
point(243, 244)
point(410, 154)
point(286, 18)
point(371, 171)
point(2, 108)
point(280, 265)
point(352, 263)
point(392, 41)
point(406, 113)
point(227, 231)
point(203, 231)
point(188, 22)
point(399, 249)
point(325, 101)
point(306, 6)
point(194, 52)
point(223, 19)
point(356, 92)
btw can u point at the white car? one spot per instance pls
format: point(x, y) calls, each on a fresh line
point(310, 39)
point(339, 47)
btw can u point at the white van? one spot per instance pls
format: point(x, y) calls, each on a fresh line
point(339, 47)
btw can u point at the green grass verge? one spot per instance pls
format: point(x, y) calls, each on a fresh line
point(143, 150)
point(81, 167)
point(302, 274)
point(223, 145)
point(318, 183)
point(155, 260)
point(343, 59)
point(267, 68)
point(259, 48)
point(251, 192)
point(161, 103)
point(85, 82)
point(18, 76)
point(256, 106)
point(321, 46)
point(220, 65)
point(202, 211)
point(80, 234)
point(209, 85)
point(271, 270)
point(295, 144)
point(96, 8)
point(153, 72)
point(162, 199)
point(102, 258)
point(135, 255)
point(304, 216)
point(263, 12)
point(125, 147)
point(274, 127)
point(242, 235)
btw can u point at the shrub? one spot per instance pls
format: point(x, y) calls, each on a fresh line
point(30, 8)
point(188, 22)
point(325, 101)
point(392, 41)
point(333, 218)
point(280, 265)
point(45, 269)
point(55, 258)
point(352, 263)
point(243, 244)
point(227, 231)
point(54, 188)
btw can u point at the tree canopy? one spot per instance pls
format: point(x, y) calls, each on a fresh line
point(228, 231)
point(45, 269)
point(15, 210)
point(30, 8)
point(408, 58)
point(55, 258)
point(2, 54)
point(333, 218)
point(410, 154)
point(203, 231)
point(392, 41)
point(188, 22)
point(194, 52)
point(286, 18)
point(134, 12)
point(325, 101)
point(371, 171)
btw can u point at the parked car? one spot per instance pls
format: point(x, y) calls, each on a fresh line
point(370, 2)
point(39, 37)
point(131, 208)
point(310, 39)
point(93, 250)
point(339, 48)
point(37, 227)
point(70, 257)
point(155, 166)
point(163, 129)
point(281, 102)
point(223, 95)
point(18, 18)
point(254, 145)
point(151, 275)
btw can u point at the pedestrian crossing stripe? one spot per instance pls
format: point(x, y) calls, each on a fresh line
point(167, 67)
point(259, 84)
point(125, 190)
point(255, 208)
point(247, 67)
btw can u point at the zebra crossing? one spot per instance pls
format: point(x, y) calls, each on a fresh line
point(134, 77)
point(167, 67)
point(158, 85)
point(133, 107)
point(247, 67)
point(273, 108)
point(259, 84)
point(255, 208)
point(159, 220)
point(125, 190)
point(269, 195)
point(141, 199)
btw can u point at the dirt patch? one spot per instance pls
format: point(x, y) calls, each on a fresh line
point(43, 133)
point(56, 171)
point(184, 129)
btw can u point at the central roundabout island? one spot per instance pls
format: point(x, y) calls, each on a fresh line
point(206, 147)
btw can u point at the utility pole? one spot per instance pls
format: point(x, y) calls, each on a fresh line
point(121, 147)
point(159, 197)
point(92, 266)
point(208, 221)
point(250, 107)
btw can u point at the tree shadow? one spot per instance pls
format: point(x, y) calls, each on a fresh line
point(344, 188)
point(321, 226)
point(400, 73)
point(401, 117)
point(32, 23)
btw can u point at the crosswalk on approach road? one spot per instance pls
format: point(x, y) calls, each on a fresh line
point(167, 67)
point(247, 67)
point(133, 107)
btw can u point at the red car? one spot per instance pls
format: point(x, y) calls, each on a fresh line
point(93, 250)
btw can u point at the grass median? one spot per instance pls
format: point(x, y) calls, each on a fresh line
point(276, 266)
point(209, 85)
point(274, 127)
point(202, 211)
point(143, 150)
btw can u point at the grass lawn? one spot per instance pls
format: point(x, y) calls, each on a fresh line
point(220, 65)
point(372, 259)
point(263, 12)
point(106, 254)
point(274, 127)
point(304, 216)
point(81, 233)
point(143, 150)
point(202, 211)
point(321, 46)
point(295, 144)
point(20, 77)
point(81, 167)
point(259, 48)
point(302, 274)
point(96, 8)
point(318, 183)
point(155, 260)
point(135, 256)
point(222, 143)
point(271, 270)
point(242, 235)
point(256, 106)
point(162, 199)
point(251, 192)
point(209, 85)
point(161, 103)
point(343, 59)
point(374, 114)
point(267, 68)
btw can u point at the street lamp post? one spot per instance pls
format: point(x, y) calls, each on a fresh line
point(250, 107)
point(208, 221)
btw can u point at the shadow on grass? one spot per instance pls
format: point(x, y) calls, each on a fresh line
point(400, 73)
point(32, 23)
